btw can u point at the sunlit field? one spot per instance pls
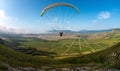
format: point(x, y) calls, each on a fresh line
point(70, 47)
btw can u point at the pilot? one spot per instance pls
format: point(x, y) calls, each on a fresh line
point(61, 34)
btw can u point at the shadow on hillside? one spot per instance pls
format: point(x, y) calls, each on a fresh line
point(35, 52)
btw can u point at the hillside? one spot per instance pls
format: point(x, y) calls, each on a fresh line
point(15, 59)
point(1, 41)
point(109, 57)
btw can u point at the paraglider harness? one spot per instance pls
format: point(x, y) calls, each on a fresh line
point(61, 34)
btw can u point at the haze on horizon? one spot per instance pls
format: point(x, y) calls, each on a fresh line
point(23, 16)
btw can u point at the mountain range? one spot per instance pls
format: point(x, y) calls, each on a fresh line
point(84, 31)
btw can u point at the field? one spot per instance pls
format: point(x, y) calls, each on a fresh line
point(73, 46)
point(75, 51)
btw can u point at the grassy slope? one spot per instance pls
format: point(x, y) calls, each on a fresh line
point(18, 59)
point(104, 58)
point(14, 59)
point(101, 58)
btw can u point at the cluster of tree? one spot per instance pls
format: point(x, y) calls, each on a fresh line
point(34, 51)
point(1, 41)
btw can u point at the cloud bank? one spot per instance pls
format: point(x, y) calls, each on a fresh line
point(6, 22)
point(102, 16)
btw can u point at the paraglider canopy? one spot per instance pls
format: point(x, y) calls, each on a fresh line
point(59, 4)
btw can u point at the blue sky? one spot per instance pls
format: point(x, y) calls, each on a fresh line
point(23, 16)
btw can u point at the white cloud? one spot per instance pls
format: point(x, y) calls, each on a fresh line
point(104, 15)
point(5, 23)
point(3, 19)
point(18, 30)
point(3, 16)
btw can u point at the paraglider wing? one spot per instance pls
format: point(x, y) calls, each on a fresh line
point(59, 4)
